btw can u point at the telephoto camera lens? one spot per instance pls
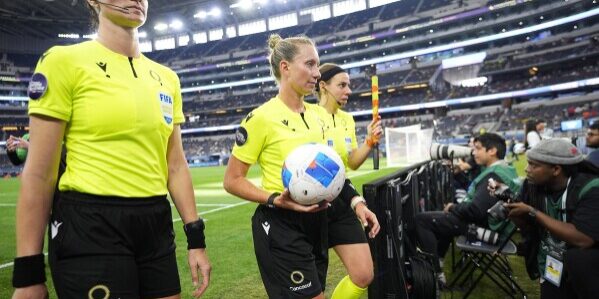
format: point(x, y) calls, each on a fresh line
point(476, 233)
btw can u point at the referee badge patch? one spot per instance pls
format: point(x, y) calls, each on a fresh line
point(37, 86)
point(166, 106)
point(241, 136)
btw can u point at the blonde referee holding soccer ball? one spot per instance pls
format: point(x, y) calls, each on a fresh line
point(290, 240)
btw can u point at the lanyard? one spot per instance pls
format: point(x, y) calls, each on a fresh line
point(564, 198)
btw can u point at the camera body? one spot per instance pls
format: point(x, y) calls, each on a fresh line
point(504, 195)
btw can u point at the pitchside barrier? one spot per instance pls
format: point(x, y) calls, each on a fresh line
point(400, 270)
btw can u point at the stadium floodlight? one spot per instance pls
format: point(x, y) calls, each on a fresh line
point(160, 26)
point(215, 12)
point(202, 14)
point(176, 24)
point(245, 4)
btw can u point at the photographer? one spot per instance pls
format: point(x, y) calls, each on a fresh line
point(557, 215)
point(16, 149)
point(435, 230)
point(465, 169)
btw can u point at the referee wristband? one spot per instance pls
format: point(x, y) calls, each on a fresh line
point(195, 234)
point(356, 201)
point(270, 202)
point(28, 271)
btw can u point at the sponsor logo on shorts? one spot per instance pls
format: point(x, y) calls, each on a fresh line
point(302, 287)
point(54, 228)
point(297, 277)
point(99, 290)
point(266, 226)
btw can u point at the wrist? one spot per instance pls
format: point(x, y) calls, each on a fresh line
point(369, 142)
point(532, 212)
point(270, 202)
point(28, 271)
point(356, 201)
point(195, 234)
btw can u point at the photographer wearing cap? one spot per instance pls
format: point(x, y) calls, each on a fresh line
point(435, 230)
point(557, 215)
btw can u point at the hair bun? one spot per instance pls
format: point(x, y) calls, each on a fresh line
point(273, 40)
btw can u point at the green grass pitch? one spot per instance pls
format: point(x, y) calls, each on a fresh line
point(228, 235)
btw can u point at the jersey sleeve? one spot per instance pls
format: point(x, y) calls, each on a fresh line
point(250, 138)
point(51, 87)
point(178, 116)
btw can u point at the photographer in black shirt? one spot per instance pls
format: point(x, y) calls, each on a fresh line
point(557, 212)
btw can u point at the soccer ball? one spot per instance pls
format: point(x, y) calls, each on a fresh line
point(313, 173)
point(519, 148)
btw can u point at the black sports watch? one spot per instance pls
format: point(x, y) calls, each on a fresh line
point(271, 200)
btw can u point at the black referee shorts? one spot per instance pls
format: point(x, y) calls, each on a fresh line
point(291, 250)
point(112, 247)
point(344, 226)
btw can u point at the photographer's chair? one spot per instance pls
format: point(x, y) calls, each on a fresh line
point(491, 260)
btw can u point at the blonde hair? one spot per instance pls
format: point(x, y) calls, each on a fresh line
point(284, 49)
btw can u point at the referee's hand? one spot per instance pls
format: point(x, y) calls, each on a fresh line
point(284, 201)
point(38, 291)
point(368, 219)
point(199, 260)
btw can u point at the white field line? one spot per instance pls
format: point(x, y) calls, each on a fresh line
point(225, 207)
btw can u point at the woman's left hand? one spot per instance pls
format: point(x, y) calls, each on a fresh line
point(199, 260)
point(368, 218)
point(374, 130)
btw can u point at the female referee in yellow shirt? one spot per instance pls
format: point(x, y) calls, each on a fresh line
point(346, 234)
point(111, 231)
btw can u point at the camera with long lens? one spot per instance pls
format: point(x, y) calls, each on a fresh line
point(442, 151)
point(476, 233)
point(503, 195)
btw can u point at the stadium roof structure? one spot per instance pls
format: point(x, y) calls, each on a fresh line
point(45, 19)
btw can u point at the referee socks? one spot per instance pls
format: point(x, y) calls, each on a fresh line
point(346, 289)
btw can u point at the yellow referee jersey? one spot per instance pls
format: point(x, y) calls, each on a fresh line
point(272, 131)
point(341, 134)
point(119, 111)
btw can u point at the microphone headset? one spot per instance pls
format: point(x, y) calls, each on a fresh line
point(116, 7)
point(334, 98)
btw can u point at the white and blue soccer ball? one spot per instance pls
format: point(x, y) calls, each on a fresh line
point(313, 173)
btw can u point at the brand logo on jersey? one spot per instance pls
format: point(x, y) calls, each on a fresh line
point(241, 136)
point(37, 86)
point(297, 277)
point(156, 77)
point(103, 66)
point(166, 105)
point(330, 143)
point(250, 115)
point(44, 56)
point(285, 122)
point(266, 226)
